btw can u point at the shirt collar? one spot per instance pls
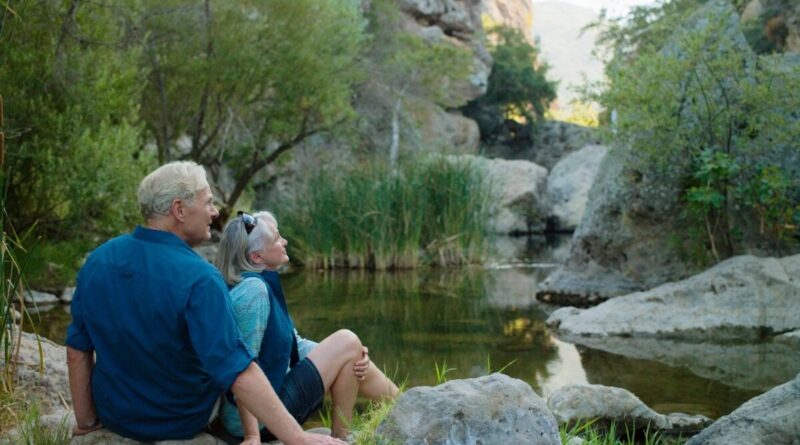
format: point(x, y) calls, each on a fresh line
point(159, 236)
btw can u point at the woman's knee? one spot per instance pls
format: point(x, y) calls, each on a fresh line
point(349, 341)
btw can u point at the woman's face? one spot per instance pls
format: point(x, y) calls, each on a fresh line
point(272, 254)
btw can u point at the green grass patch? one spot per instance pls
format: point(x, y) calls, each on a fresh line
point(427, 212)
point(594, 434)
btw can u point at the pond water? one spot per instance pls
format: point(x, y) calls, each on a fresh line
point(472, 319)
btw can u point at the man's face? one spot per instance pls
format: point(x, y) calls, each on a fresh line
point(198, 218)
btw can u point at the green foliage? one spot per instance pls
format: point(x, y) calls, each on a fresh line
point(33, 432)
point(246, 81)
point(73, 145)
point(710, 115)
point(518, 80)
point(365, 423)
point(441, 373)
point(372, 217)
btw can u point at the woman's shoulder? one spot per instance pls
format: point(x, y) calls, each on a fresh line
point(249, 287)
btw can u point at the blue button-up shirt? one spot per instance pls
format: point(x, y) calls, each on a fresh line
point(167, 345)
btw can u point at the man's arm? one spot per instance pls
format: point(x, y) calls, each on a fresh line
point(253, 390)
point(80, 365)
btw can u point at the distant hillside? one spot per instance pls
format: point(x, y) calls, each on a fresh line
point(557, 25)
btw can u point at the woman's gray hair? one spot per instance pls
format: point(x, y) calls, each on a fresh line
point(236, 245)
point(176, 180)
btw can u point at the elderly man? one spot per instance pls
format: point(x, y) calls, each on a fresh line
point(157, 317)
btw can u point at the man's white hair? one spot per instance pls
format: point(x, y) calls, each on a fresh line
point(176, 180)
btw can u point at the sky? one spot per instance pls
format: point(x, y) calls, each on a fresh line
point(614, 7)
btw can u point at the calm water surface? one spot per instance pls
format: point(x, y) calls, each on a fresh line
point(472, 319)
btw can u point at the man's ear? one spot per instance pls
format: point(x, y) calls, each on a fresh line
point(177, 209)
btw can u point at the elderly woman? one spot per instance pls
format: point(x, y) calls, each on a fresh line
point(301, 371)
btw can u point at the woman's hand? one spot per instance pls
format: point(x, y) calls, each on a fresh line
point(362, 365)
point(251, 440)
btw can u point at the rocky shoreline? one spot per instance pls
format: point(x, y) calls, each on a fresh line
point(490, 409)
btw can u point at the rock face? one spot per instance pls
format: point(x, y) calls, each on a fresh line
point(50, 386)
point(550, 142)
point(519, 194)
point(517, 14)
point(769, 419)
point(627, 239)
point(569, 183)
point(740, 298)
point(495, 409)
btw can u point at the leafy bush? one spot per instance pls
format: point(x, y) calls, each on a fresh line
point(372, 217)
point(723, 122)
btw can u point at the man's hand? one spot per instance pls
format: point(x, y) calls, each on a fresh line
point(362, 365)
point(77, 430)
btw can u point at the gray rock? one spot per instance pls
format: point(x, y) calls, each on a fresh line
point(208, 251)
point(36, 297)
point(744, 297)
point(494, 409)
point(106, 437)
point(50, 386)
point(66, 295)
point(519, 194)
point(790, 338)
point(575, 404)
point(569, 183)
point(772, 418)
point(550, 142)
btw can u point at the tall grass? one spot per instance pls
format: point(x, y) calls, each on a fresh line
point(430, 211)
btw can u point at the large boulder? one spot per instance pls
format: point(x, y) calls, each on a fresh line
point(772, 418)
point(44, 379)
point(518, 188)
point(628, 239)
point(495, 409)
point(569, 183)
point(548, 143)
point(744, 297)
point(605, 405)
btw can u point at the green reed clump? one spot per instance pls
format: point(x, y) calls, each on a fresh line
point(431, 211)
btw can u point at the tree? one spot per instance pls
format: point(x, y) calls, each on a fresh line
point(73, 145)
point(722, 121)
point(518, 86)
point(234, 85)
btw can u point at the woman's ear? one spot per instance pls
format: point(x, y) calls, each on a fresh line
point(255, 258)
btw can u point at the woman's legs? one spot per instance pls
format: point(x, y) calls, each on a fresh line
point(334, 358)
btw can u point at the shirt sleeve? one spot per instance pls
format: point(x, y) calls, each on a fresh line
point(250, 302)
point(304, 345)
point(213, 332)
point(77, 337)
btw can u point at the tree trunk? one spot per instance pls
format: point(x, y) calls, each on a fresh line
point(394, 148)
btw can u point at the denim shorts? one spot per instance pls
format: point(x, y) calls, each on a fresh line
point(302, 393)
